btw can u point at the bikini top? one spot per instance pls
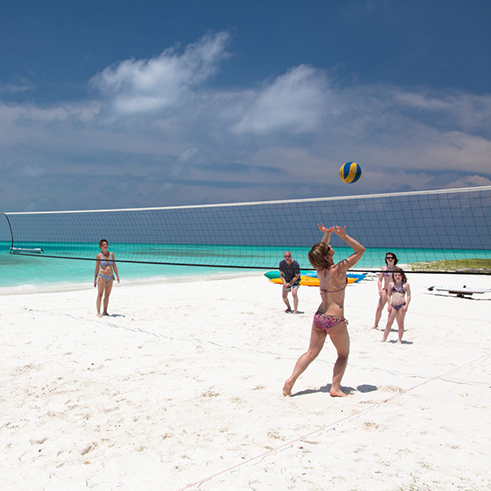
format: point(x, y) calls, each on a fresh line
point(334, 291)
point(105, 261)
point(398, 290)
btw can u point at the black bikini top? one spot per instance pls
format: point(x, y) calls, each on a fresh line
point(334, 291)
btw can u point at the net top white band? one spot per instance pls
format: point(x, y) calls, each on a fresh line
point(274, 202)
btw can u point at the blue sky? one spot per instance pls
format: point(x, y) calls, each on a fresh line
point(110, 104)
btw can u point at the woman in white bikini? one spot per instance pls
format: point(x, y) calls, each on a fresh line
point(104, 276)
point(398, 296)
point(329, 318)
point(384, 278)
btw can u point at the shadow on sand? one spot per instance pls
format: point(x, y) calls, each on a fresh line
point(327, 388)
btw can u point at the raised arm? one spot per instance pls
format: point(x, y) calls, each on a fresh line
point(358, 249)
point(327, 233)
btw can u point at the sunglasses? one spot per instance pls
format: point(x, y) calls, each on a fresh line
point(389, 257)
point(288, 255)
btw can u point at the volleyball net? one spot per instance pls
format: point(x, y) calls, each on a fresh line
point(430, 231)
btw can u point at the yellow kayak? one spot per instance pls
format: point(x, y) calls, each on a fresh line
point(308, 280)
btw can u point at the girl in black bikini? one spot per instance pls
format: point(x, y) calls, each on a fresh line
point(329, 318)
point(399, 296)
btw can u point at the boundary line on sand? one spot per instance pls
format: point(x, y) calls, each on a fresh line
point(330, 425)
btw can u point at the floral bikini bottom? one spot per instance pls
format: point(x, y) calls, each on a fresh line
point(326, 321)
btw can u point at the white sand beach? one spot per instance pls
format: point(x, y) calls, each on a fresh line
point(181, 388)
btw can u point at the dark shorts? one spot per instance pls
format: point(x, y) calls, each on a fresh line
point(295, 286)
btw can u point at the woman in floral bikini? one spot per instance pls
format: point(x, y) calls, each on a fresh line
point(329, 318)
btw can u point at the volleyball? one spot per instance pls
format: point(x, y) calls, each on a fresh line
point(350, 172)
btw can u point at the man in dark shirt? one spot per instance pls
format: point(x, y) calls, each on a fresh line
point(290, 275)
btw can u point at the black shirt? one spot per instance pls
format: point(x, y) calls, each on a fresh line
point(290, 271)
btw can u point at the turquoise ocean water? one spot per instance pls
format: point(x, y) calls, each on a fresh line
point(24, 273)
point(20, 272)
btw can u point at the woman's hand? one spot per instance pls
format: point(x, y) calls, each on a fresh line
point(341, 232)
point(324, 229)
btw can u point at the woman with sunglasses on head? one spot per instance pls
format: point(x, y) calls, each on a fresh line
point(384, 278)
point(329, 318)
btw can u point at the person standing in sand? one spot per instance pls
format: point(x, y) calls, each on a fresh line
point(290, 276)
point(398, 297)
point(384, 278)
point(104, 276)
point(329, 318)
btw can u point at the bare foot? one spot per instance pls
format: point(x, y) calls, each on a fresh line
point(288, 311)
point(99, 315)
point(337, 393)
point(287, 388)
point(105, 313)
point(375, 327)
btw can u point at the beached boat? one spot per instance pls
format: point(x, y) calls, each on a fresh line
point(26, 250)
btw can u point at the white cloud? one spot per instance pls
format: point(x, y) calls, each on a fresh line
point(160, 124)
point(141, 86)
point(23, 86)
point(293, 102)
point(188, 154)
point(466, 111)
point(470, 181)
point(33, 170)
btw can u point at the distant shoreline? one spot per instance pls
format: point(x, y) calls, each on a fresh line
point(33, 288)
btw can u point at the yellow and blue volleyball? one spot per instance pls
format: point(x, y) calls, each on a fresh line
point(350, 172)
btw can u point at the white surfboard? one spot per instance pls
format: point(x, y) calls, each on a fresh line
point(459, 291)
